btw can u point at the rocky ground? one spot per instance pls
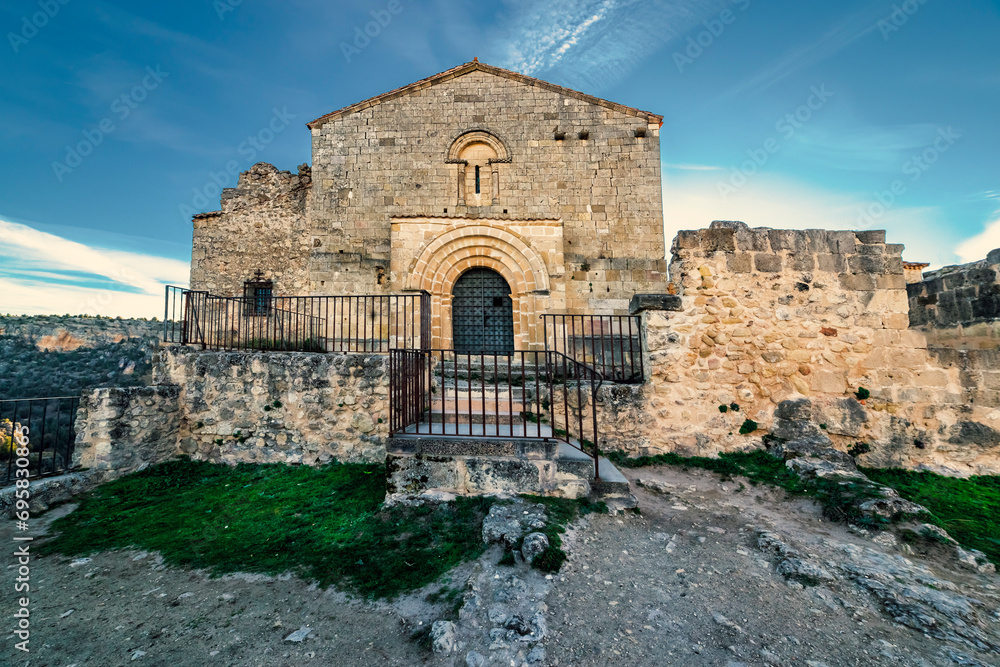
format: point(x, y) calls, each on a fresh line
point(710, 573)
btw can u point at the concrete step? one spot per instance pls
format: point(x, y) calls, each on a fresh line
point(581, 464)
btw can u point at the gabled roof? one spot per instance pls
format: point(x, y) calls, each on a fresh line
point(475, 66)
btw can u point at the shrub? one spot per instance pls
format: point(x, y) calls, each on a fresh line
point(748, 427)
point(859, 448)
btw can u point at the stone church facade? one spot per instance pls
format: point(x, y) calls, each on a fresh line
point(477, 180)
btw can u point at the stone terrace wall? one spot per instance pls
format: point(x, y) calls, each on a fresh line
point(279, 407)
point(121, 430)
point(239, 407)
point(262, 225)
point(957, 295)
point(767, 315)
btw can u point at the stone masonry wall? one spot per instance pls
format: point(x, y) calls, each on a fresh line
point(768, 315)
point(239, 407)
point(388, 161)
point(122, 430)
point(262, 225)
point(957, 295)
point(279, 407)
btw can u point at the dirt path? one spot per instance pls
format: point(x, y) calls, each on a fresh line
point(682, 584)
point(669, 587)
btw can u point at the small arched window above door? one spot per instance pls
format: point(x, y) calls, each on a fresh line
point(477, 155)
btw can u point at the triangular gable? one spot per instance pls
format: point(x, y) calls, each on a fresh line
point(481, 67)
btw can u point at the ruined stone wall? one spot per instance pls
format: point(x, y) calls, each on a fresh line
point(262, 226)
point(122, 430)
point(388, 162)
point(769, 315)
point(239, 407)
point(958, 296)
point(279, 407)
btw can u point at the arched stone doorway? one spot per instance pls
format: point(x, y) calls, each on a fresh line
point(482, 313)
point(459, 248)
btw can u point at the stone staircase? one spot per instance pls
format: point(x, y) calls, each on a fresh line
point(421, 464)
point(486, 433)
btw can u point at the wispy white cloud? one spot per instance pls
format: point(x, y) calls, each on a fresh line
point(592, 44)
point(979, 245)
point(44, 273)
point(812, 51)
point(691, 167)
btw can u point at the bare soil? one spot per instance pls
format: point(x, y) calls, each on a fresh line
point(683, 583)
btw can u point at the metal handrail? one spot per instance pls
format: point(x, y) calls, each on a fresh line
point(41, 438)
point(515, 395)
point(336, 323)
point(611, 343)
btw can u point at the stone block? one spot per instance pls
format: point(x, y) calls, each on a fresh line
point(719, 240)
point(891, 281)
point(857, 281)
point(655, 302)
point(688, 239)
point(788, 239)
point(803, 261)
point(896, 320)
point(866, 264)
point(766, 263)
point(828, 382)
point(871, 236)
point(841, 243)
point(831, 263)
point(739, 263)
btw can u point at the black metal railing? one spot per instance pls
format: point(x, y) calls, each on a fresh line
point(51, 434)
point(365, 323)
point(522, 394)
point(611, 344)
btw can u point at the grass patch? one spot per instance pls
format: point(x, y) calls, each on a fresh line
point(969, 509)
point(323, 524)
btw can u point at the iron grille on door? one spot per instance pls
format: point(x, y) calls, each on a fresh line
point(482, 313)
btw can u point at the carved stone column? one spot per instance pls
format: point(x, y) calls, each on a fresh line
point(461, 183)
point(495, 182)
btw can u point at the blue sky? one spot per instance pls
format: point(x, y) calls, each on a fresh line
point(877, 114)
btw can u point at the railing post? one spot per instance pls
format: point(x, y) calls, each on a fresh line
point(594, 389)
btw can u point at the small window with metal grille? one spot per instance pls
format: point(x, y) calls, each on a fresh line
point(257, 296)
